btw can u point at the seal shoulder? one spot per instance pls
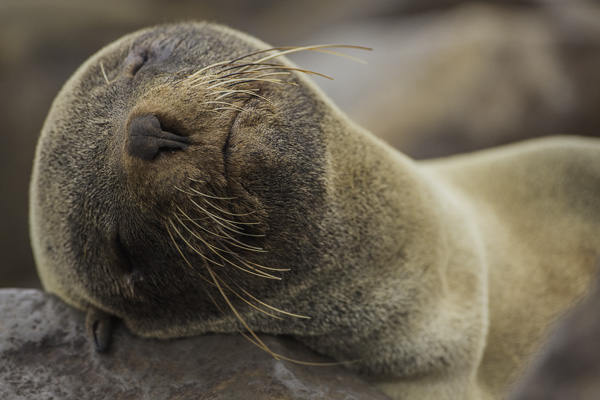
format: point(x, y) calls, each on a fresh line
point(552, 172)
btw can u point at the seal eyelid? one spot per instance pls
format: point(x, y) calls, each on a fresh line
point(138, 62)
point(135, 60)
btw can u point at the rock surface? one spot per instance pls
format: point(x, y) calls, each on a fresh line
point(45, 354)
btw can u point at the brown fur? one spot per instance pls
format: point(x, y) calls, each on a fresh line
point(437, 280)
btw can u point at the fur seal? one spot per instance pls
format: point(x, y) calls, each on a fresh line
point(190, 180)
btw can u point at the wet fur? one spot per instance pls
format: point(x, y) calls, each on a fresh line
point(437, 279)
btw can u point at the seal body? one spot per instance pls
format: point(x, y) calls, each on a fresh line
point(188, 181)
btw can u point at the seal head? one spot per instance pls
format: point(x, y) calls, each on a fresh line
point(173, 169)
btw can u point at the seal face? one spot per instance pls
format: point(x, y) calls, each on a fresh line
point(163, 167)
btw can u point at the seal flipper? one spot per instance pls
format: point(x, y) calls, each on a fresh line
point(100, 326)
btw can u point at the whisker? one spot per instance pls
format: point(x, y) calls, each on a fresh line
point(293, 361)
point(305, 71)
point(198, 225)
point(217, 64)
point(104, 72)
point(194, 248)
point(203, 194)
point(228, 109)
point(184, 257)
point(241, 232)
point(225, 93)
point(241, 91)
point(268, 66)
point(239, 317)
point(233, 242)
point(246, 301)
point(242, 245)
point(246, 264)
point(214, 283)
point(211, 283)
point(321, 48)
point(234, 229)
point(227, 212)
point(231, 82)
point(275, 81)
point(271, 307)
point(250, 304)
point(210, 246)
point(231, 106)
point(225, 220)
point(256, 272)
point(269, 268)
point(216, 250)
point(251, 335)
point(237, 66)
point(198, 80)
point(252, 71)
point(221, 77)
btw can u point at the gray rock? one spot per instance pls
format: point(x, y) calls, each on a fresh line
point(45, 354)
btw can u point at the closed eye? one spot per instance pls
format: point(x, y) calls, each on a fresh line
point(138, 61)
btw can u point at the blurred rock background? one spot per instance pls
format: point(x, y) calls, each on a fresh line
point(445, 76)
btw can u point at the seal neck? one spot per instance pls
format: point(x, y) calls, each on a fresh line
point(405, 274)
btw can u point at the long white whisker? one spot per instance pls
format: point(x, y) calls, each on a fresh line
point(230, 106)
point(232, 82)
point(239, 317)
point(321, 48)
point(104, 72)
point(271, 307)
point(231, 224)
point(203, 194)
point(194, 248)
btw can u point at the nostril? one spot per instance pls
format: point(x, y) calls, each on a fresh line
point(147, 138)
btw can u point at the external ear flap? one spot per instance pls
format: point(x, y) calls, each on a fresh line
point(99, 326)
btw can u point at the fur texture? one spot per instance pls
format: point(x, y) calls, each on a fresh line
point(438, 280)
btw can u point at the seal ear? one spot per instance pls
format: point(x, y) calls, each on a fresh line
point(100, 326)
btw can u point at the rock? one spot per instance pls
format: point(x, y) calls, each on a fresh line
point(45, 354)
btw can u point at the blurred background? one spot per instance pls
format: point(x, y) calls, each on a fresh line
point(445, 76)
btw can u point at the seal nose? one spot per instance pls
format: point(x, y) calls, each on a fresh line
point(147, 139)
